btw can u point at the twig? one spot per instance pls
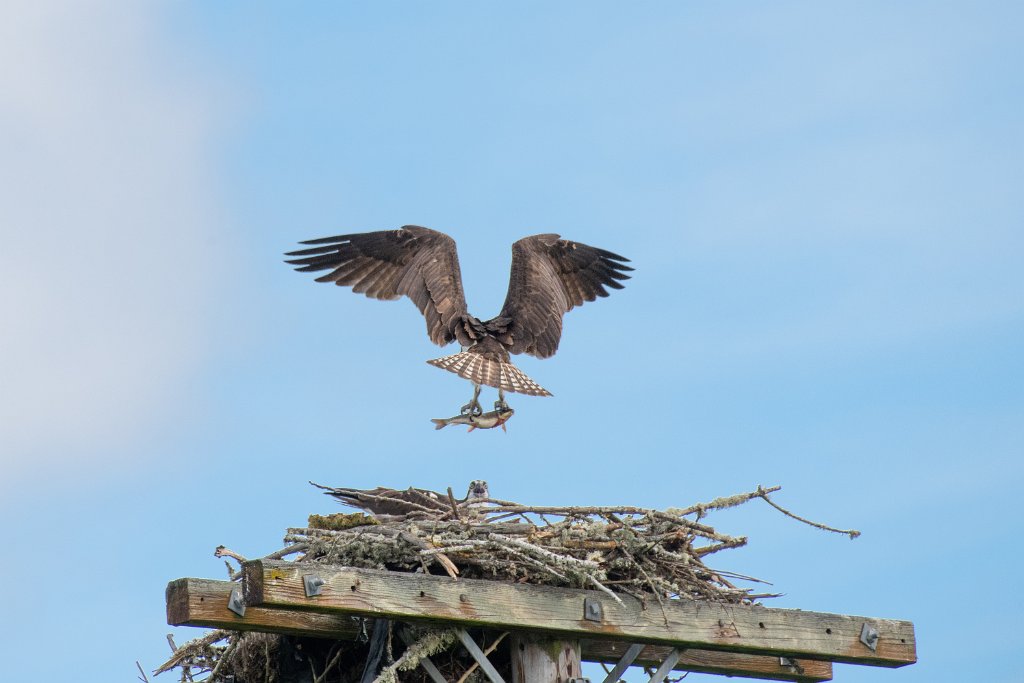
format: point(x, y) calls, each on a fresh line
point(742, 577)
point(278, 555)
point(722, 503)
point(535, 563)
point(179, 654)
point(224, 657)
point(186, 670)
point(498, 518)
point(285, 552)
point(707, 550)
point(763, 493)
point(555, 557)
point(654, 589)
point(455, 506)
point(142, 674)
point(601, 587)
point(221, 551)
point(327, 668)
point(452, 548)
point(441, 558)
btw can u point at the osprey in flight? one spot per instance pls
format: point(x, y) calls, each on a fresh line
point(549, 277)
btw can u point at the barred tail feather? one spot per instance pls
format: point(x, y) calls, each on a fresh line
point(493, 373)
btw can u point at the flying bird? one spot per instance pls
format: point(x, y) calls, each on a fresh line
point(550, 276)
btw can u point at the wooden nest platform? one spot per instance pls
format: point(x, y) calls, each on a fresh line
point(425, 586)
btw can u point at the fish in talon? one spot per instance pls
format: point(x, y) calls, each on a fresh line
point(490, 420)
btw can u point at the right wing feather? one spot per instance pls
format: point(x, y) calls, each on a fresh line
point(551, 276)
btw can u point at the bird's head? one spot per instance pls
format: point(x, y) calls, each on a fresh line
point(477, 489)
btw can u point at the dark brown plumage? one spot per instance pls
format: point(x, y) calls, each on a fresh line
point(412, 502)
point(550, 276)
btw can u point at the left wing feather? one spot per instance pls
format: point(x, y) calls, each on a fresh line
point(413, 261)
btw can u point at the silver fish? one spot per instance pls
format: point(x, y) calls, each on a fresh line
point(495, 418)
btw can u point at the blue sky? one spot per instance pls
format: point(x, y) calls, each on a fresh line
point(822, 201)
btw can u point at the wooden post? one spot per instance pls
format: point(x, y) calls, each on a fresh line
point(536, 659)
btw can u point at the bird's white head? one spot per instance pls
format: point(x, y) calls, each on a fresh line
point(477, 489)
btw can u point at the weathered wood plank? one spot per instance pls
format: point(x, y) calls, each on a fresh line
point(501, 605)
point(203, 602)
point(714, 662)
point(536, 659)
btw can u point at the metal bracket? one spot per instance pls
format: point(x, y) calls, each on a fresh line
point(312, 583)
point(236, 602)
point(592, 610)
point(869, 636)
point(791, 664)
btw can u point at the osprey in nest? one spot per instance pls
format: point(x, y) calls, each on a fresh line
point(411, 502)
point(549, 277)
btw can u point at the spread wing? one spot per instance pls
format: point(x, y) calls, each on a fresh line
point(549, 277)
point(416, 262)
point(385, 501)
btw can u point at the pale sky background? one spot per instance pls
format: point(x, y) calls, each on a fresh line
point(823, 202)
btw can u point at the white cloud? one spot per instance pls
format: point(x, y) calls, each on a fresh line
point(105, 211)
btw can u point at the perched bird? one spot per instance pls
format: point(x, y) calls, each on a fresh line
point(383, 501)
point(550, 276)
point(478, 490)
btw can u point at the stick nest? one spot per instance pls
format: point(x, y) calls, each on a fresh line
point(653, 555)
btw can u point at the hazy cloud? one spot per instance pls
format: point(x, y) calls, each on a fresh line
point(105, 206)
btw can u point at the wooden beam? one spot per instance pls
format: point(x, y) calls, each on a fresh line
point(714, 662)
point(202, 602)
point(559, 611)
